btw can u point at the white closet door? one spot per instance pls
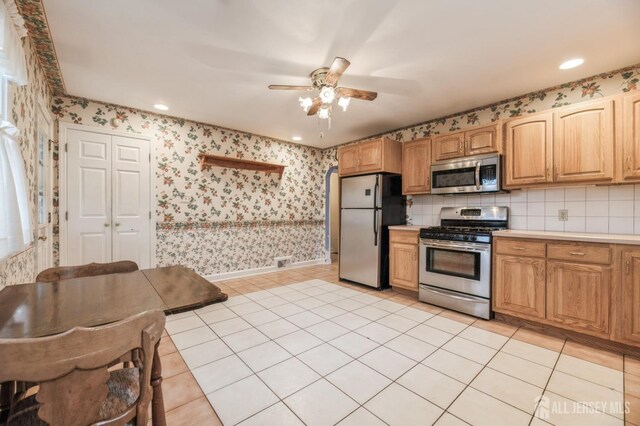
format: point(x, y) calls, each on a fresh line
point(130, 203)
point(89, 197)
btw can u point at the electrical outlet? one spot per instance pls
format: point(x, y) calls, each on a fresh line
point(563, 215)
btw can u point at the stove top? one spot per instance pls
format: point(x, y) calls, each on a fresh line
point(472, 224)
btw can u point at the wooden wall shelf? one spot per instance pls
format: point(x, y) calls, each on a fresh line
point(209, 160)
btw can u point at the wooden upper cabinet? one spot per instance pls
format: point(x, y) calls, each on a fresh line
point(584, 142)
point(348, 160)
point(483, 140)
point(529, 150)
point(519, 286)
point(370, 154)
point(578, 296)
point(448, 146)
point(629, 318)
point(631, 137)
point(416, 167)
point(377, 155)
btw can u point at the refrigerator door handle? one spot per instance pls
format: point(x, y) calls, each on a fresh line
point(376, 188)
point(375, 227)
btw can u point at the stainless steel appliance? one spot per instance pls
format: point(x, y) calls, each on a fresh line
point(369, 204)
point(469, 174)
point(455, 259)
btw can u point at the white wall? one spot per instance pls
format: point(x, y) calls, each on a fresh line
point(601, 209)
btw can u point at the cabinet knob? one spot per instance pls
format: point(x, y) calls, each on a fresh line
point(106, 225)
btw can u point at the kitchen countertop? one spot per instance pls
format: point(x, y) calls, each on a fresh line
point(571, 236)
point(407, 227)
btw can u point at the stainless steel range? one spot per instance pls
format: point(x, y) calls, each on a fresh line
point(455, 259)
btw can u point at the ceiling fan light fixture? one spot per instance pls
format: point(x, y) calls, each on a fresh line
point(327, 94)
point(324, 112)
point(305, 103)
point(344, 102)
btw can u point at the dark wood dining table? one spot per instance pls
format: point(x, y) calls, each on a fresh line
point(44, 309)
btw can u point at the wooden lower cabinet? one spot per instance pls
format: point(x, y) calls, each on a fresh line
point(403, 259)
point(629, 308)
point(587, 288)
point(519, 286)
point(578, 296)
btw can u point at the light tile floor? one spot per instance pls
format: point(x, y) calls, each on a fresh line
point(299, 347)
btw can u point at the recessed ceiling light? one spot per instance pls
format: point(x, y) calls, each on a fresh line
point(161, 107)
point(296, 138)
point(571, 63)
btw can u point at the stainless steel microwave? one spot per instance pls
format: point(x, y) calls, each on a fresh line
point(463, 175)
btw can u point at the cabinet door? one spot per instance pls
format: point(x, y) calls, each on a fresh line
point(416, 167)
point(578, 296)
point(370, 156)
point(630, 320)
point(484, 140)
point(583, 142)
point(404, 265)
point(519, 286)
point(631, 135)
point(448, 146)
point(529, 150)
point(347, 160)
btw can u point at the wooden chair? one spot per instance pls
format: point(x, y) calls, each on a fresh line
point(72, 371)
point(90, 270)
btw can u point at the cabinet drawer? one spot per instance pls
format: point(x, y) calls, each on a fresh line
point(407, 237)
point(580, 253)
point(520, 248)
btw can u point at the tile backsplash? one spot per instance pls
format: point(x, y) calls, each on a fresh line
point(600, 209)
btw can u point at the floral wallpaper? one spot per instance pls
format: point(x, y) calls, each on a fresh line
point(195, 208)
point(23, 102)
point(224, 220)
point(606, 84)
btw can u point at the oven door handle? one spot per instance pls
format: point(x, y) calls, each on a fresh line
point(478, 175)
point(452, 246)
point(455, 296)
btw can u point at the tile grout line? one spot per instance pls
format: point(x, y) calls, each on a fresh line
point(378, 345)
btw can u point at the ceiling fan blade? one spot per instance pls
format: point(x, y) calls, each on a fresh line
point(357, 94)
point(338, 67)
point(287, 87)
point(315, 106)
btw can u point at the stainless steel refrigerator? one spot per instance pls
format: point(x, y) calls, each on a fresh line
point(369, 204)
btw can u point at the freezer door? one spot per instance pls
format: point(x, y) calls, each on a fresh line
point(361, 192)
point(359, 247)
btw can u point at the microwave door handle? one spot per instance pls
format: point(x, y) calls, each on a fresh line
point(478, 175)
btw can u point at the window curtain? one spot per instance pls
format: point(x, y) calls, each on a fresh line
point(15, 228)
point(16, 231)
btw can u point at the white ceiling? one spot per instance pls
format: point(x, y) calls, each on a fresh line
point(212, 60)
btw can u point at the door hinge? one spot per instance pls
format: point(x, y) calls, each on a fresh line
point(628, 266)
point(50, 144)
point(149, 157)
point(149, 215)
point(66, 147)
point(66, 216)
point(49, 217)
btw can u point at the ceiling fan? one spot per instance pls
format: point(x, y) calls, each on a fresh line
point(325, 81)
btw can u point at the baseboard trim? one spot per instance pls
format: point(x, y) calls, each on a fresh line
point(256, 271)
